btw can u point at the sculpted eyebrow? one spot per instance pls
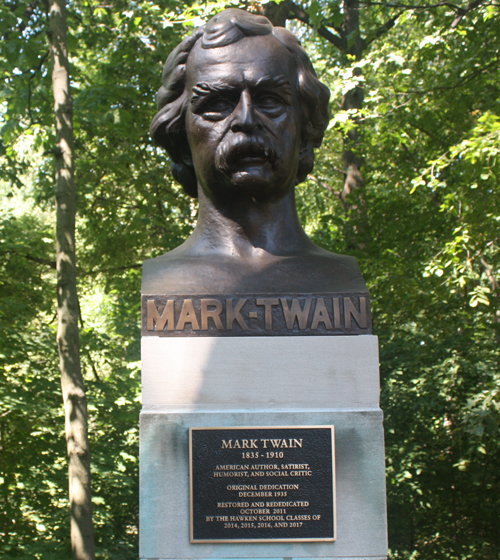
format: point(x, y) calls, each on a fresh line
point(278, 84)
point(275, 82)
point(203, 89)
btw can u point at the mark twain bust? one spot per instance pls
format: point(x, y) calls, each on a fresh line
point(240, 113)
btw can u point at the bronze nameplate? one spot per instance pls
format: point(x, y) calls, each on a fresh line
point(256, 315)
point(261, 484)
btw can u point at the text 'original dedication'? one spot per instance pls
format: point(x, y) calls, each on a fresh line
point(262, 484)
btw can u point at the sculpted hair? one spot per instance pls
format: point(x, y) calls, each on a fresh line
point(168, 126)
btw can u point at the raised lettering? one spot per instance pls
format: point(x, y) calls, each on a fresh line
point(227, 444)
point(321, 315)
point(213, 314)
point(336, 312)
point(358, 316)
point(167, 317)
point(233, 314)
point(295, 312)
point(188, 315)
point(268, 310)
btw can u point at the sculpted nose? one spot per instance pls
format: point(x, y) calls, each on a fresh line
point(244, 117)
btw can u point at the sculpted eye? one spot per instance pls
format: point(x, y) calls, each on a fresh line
point(218, 107)
point(269, 103)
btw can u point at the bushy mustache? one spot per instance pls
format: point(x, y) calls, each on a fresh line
point(231, 150)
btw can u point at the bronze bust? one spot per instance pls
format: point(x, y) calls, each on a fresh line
point(240, 113)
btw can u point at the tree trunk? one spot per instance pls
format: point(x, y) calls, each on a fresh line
point(353, 99)
point(73, 391)
point(277, 14)
point(351, 45)
point(357, 234)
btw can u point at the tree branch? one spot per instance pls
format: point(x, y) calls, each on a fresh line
point(460, 83)
point(38, 260)
point(331, 38)
point(459, 11)
point(383, 29)
point(426, 132)
point(489, 273)
point(454, 7)
point(113, 269)
point(33, 72)
point(465, 11)
point(325, 185)
point(494, 288)
point(303, 16)
point(25, 18)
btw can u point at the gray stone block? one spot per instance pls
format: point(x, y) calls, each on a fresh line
point(164, 479)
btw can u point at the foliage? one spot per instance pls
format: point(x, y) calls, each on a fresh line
point(426, 240)
point(430, 254)
point(35, 516)
point(125, 201)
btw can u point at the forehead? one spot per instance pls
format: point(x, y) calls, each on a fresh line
point(243, 62)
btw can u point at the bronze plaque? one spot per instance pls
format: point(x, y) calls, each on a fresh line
point(260, 484)
point(256, 315)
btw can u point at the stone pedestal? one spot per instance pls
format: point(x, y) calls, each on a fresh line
point(261, 381)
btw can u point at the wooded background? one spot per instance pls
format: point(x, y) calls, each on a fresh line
point(406, 181)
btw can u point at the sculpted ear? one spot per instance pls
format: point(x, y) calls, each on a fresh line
point(185, 175)
point(183, 171)
point(306, 161)
point(176, 143)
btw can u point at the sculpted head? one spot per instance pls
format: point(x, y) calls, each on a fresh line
point(240, 108)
